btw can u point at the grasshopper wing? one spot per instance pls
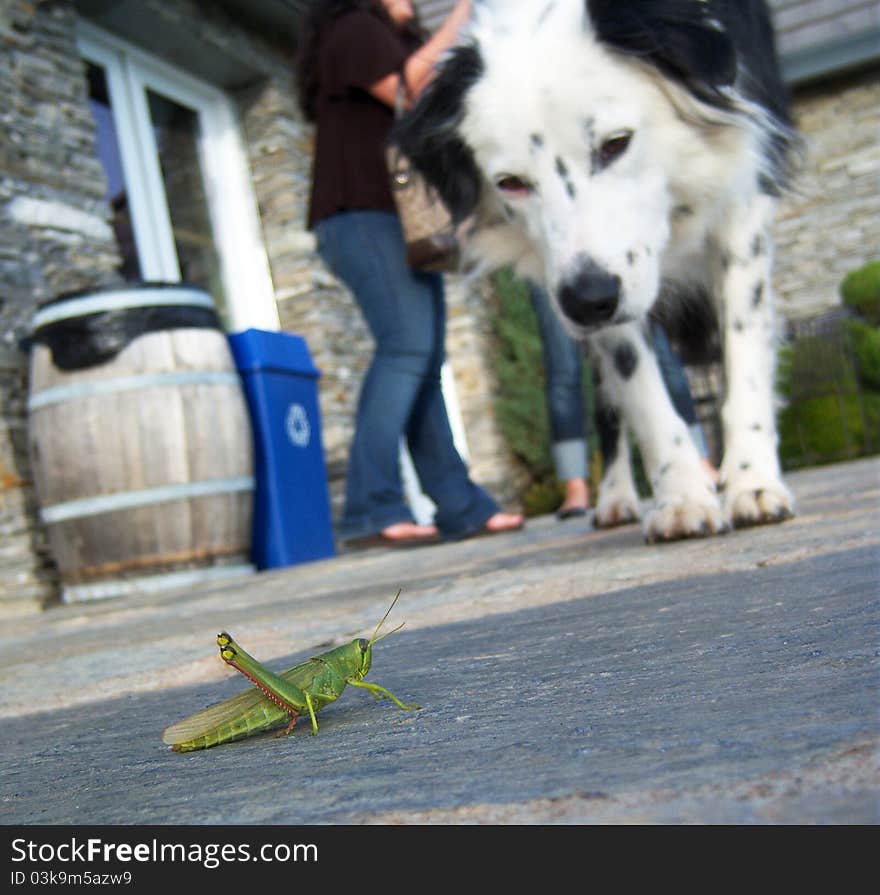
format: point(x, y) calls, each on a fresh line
point(249, 712)
point(239, 716)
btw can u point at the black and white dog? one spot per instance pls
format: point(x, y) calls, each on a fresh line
point(627, 155)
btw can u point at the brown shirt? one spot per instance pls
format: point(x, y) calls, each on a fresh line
point(357, 49)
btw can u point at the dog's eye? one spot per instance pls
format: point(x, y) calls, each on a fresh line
point(614, 147)
point(513, 185)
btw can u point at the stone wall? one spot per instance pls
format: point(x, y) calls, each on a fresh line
point(831, 225)
point(54, 237)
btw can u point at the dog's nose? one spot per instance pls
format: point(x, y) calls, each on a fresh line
point(591, 296)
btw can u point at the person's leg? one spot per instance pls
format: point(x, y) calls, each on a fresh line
point(563, 361)
point(400, 394)
point(463, 507)
point(354, 246)
point(673, 373)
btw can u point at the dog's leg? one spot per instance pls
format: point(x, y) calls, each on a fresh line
point(618, 502)
point(751, 479)
point(685, 502)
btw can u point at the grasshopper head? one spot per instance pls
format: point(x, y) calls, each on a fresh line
point(365, 647)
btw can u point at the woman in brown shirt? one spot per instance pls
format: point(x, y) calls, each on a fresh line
point(352, 56)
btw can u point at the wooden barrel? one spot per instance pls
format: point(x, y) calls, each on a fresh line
point(140, 441)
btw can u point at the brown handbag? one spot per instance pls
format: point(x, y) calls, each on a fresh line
point(428, 228)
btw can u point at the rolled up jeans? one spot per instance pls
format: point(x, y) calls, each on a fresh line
point(563, 376)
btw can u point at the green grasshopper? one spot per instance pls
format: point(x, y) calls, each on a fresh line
point(280, 698)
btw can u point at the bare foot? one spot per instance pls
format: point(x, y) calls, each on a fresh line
point(408, 531)
point(577, 497)
point(713, 472)
point(504, 522)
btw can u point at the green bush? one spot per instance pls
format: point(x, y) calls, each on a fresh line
point(519, 366)
point(860, 290)
point(829, 428)
point(832, 386)
point(811, 365)
point(542, 497)
point(866, 347)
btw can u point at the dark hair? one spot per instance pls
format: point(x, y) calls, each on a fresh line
point(312, 22)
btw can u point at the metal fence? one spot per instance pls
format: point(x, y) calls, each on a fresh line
point(827, 411)
point(829, 414)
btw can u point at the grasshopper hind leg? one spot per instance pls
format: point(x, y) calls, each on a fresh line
point(283, 693)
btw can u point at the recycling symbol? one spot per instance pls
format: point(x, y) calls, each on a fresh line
point(297, 426)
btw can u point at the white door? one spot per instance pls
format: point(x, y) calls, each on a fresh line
point(177, 178)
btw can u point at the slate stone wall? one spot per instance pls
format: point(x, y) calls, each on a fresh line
point(831, 224)
point(55, 236)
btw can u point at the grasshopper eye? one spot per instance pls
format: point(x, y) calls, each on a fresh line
point(363, 644)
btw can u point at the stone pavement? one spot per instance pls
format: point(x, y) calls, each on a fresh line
point(566, 676)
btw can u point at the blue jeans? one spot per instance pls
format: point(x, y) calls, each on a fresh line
point(401, 394)
point(675, 378)
point(563, 378)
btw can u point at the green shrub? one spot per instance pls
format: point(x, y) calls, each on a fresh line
point(519, 366)
point(860, 290)
point(542, 497)
point(832, 386)
point(829, 428)
point(866, 347)
point(814, 365)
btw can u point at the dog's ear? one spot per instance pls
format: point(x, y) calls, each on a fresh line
point(428, 133)
point(680, 37)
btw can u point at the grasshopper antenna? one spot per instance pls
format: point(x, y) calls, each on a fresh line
point(387, 634)
point(373, 639)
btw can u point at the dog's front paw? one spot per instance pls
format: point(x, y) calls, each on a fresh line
point(752, 503)
point(687, 518)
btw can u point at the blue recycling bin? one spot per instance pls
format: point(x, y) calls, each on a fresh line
point(292, 521)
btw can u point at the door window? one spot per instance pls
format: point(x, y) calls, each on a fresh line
point(177, 180)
